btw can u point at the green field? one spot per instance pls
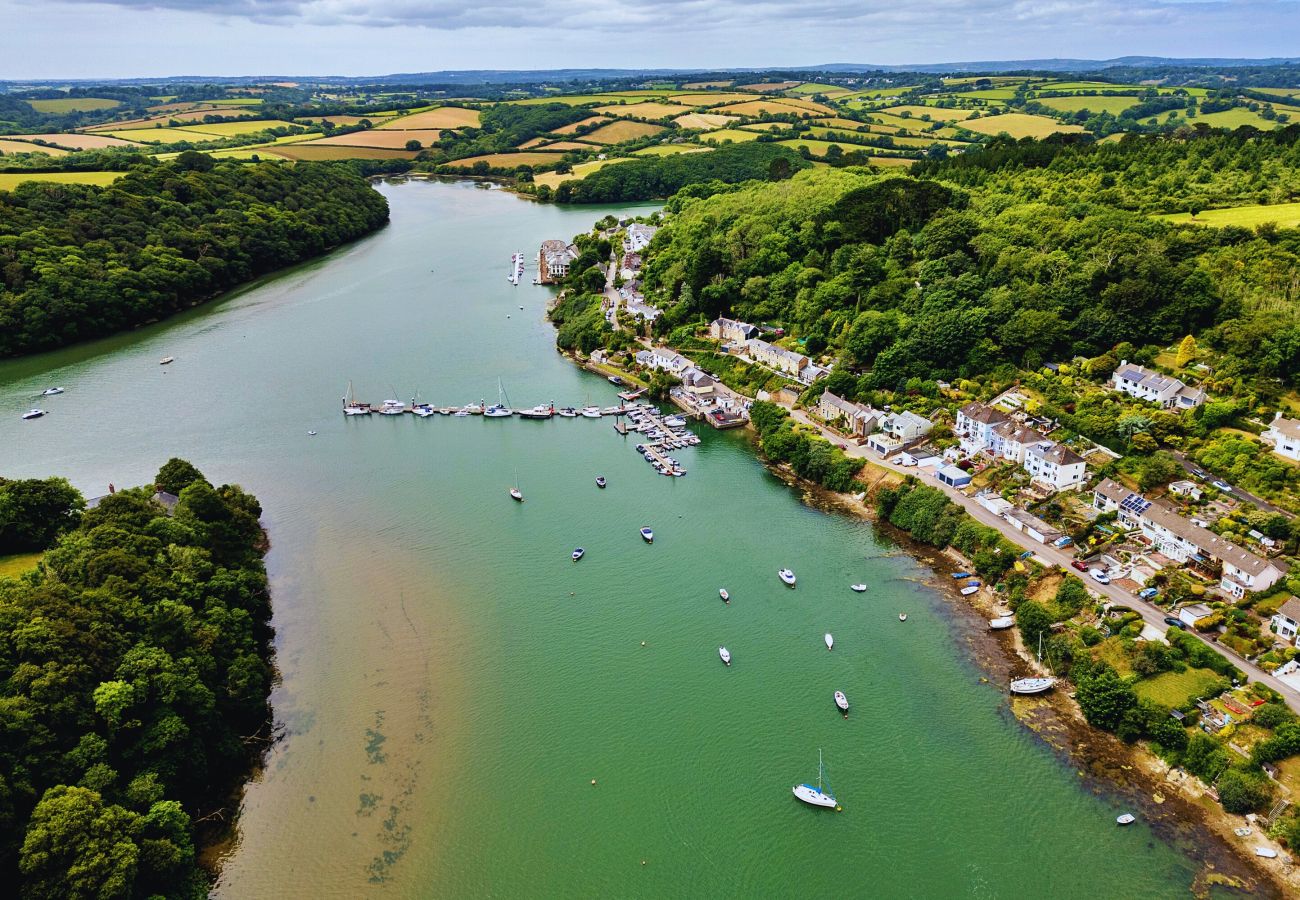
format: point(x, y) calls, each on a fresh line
point(1019, 125)
point(18, 563)
point(1176, 688)
point(670, 149)
point(1235, 118)
point(1286, 215)
point(1112, 105)
point(11, 180)
point(580, 171)
point(73, 104)
point(728, 134)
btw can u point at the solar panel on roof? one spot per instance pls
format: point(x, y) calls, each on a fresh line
point(1135, 503)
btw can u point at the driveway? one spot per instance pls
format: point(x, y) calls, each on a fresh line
point(1238, 494)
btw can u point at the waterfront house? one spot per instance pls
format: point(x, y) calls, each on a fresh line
point(884, 444)
point(975, 424)
point(644, 358)
point(698, 384)
point(667, 360)
point(1284, 435)
point(731, 330)
point(1055, 465)
point(1146, 384)
point(1182, 540)
point(1286, 621)
point(907, 426)
point(554, 260)
point(953, 476)
point(778, 358)
point(1190, 615)
point(858, 420)
point(643, 310)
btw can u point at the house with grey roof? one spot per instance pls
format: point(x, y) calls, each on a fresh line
point(723, 329)
point(1286, 621)
point(1147, 384)
point(1284, 435)
point(975, 424)
point(907, 426)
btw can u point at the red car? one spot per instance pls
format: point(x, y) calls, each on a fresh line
point(1080, 565)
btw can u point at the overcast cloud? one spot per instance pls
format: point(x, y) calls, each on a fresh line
point(49, 39)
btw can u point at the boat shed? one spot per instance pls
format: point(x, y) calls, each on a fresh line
point(953, 476)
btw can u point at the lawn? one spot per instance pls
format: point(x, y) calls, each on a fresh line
point(621, 130)
point(1176, 688)
point(8, 146)
point(729, 134)
point(649, 110)
point(704, 121)
point(11, 180)
point(1020, 125)
point(73, 104)
point(1112, 105)
point(442, 117)
point(580, 171)
point(1286, 215)
point(18, 563)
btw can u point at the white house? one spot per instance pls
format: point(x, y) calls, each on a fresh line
point(777, 358)
point(1055, 465)
point(1286, 621)
point(907, 426)
point(1145, 384)
point(698, 383)
point(1186, 489)
point(731, 330)
point(1181, 540)
point(665, 359)
point(1284, 435)
point(638, 237)
point(553, 264)
point(1012, 440)
point(1190, 615)
point(643, 310)
point(975, 424)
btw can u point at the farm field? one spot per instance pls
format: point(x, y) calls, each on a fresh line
point(1112, 105)
point(574, 126)
point(991, 79)
point(1003, 93)
point(579, 99)
point(697, 85)
point(766, 126)
point(161, 135)
point(1292, 93)
point(73, 104)
point(891, 162)
point(811, 106)
point(344, 121)
point(510, 160)
point(192, 115)
point(374, 137)
point(620, 130)
point(317, 152)
point(704, 120)
point(769, 86)
point(819, 148)
point(1285, 215)
point(77, 141)
point(1020, 125)
point(442, 117)
point(231, 129)
point(736, 135)
point(936, 113)
point(647, 110)
point(580, 171)
point(1235, 118)
point(670, 149)
point(711, 98)
point(10, 180)
point(758, 107)
point(570, 145)
point(12, 146)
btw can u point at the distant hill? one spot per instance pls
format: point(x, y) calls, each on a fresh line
point(1069, 65)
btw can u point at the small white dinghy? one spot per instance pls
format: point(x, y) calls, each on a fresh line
point(830, 641)
point(787, 576)
point(722, 592)
point(1266, 852)
point(725, 654)
point(902, 617)
point(842, 702)
point(859, 588)
point(578, 554)
point(33, 414)
point(1032, 685)
point(969, 589)
point(1001, 623)
point(1126, 819)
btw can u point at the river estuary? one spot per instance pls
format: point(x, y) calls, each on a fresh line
point(452, 682)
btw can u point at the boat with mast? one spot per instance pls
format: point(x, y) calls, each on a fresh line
point(817, 796)
point(351, 407)
point(514, 491)
point(501, 409)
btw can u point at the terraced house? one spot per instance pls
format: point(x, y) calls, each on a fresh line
point(731, 330)
point(1240, 571)
point(778, 358)
point(1145, 384)
point(858, 420)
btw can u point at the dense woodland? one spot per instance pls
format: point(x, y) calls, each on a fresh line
point(1028, 257)
point(134, 665)
point(79, 262)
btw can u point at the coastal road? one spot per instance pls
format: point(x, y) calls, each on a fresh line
point(1239, 494)
point(1152, 615)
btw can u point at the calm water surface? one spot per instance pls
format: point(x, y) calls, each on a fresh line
point(452, 682)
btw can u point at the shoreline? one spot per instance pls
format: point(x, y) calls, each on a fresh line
point(1173, 805)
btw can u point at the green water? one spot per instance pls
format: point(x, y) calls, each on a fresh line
point(452, 682)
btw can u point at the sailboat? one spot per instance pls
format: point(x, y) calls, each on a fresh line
point(725, 654)
point(816, 796)
point(351, 407)
point(830, 640)
point(514, 491)
point(726, 597)
point(500, 409)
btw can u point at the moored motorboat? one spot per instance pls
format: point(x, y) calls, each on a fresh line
point(841, 701)
point(647, 535)
point(1032, 685)
point(50, 392)
point(166, 360)
point(392, 408)
point(725, 654)
point(590, 412)
point(614, 379)
point(859, 588)
point(33, 414)
point(902, 617)
point(787, 576)
point(517, 494)
point(830, 640)
point(600, 481)
point(1002, 623)
point(726, 597)
point(1126, 819)
point(816, 796)
point(578, 554)
point(568, 412)
point(537, 412)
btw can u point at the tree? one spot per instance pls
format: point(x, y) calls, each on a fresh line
point(33, 512)
point(176, 475)
point(413, 145)
point(1105, 698)
point(1242, 791)
point(1186, 352)
point(78, 847)
point(1157, 469)
point(1034, 621)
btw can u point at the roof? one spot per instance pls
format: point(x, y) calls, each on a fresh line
point(1288, 427)
point(844, 406)
point(1199, 610)
point(1017, 434)
point(764, 347)
point(985, 415)
point(1291, 609)
point(1056, 453)
point(952, 472)
point(1149, 379)
point(908, 416)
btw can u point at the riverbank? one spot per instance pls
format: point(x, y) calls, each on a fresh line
point(1171, 802)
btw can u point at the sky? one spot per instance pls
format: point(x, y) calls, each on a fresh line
point(53, 39)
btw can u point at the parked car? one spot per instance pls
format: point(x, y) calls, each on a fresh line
point(1063, 541)
point(1147, 593)
point(1099, 576)
point(1080, 565)
point(1222, 486)
point(1199, 474)
point(1174, 622)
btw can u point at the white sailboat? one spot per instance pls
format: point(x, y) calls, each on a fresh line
point(1027, 686)
point(816, 796)
point(351, 407)
point(725, 654)
point(514, 491)
point(830, 640)
point(500, 409)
